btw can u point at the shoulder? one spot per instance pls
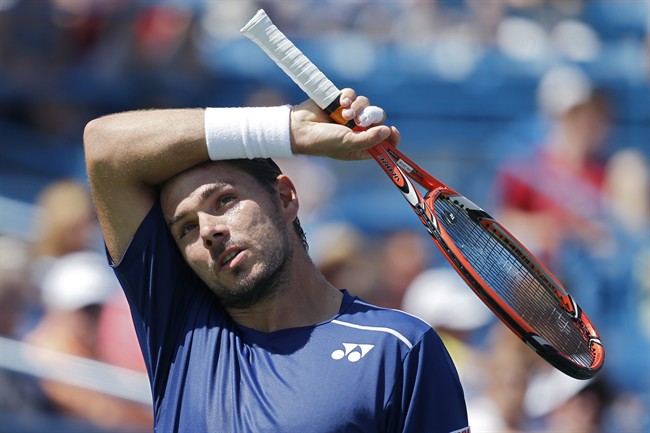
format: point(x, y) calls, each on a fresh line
point(151, 236)
point(392, 324)
point(157, 281)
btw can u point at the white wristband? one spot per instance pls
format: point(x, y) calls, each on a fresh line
point(248, 132)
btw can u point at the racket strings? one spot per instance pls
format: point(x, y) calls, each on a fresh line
point(513, 278)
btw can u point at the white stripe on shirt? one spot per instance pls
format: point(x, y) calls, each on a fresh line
point(376, 329)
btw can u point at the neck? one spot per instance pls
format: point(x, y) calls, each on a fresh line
point(306, 299)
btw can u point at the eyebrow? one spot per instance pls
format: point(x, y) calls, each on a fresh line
point(205, 194)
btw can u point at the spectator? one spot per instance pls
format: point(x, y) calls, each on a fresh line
point(561, 403)
point(65, 223)
point(403, 255)
point(609, 275)
point(556, 191)
point(20, 395)
point(499, 404)
point(342, 254)
point(75, 289)
point(117, 342)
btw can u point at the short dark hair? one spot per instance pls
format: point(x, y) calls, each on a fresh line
point(266, 172)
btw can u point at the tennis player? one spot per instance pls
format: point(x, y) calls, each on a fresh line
point(239, 331)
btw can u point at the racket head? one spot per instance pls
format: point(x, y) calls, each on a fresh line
point(514, 284)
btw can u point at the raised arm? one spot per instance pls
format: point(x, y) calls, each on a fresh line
point(128, 155)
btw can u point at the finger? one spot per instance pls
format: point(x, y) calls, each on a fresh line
point(375, 136)
point(357, 105)
point(395, 136)
point(363, 140)
point(378, 134)
point(347, 96)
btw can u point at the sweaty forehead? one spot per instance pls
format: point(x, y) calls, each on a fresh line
point(195, 181)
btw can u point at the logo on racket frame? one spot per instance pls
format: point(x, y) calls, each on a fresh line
point(411, 194)
point(398, 178)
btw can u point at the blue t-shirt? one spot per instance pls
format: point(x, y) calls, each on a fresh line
point(367, 369)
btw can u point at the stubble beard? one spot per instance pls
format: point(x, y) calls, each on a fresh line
point(252, 289)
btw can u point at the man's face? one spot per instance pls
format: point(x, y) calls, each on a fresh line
point(231, 230)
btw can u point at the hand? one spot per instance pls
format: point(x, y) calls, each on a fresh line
point(314, 133)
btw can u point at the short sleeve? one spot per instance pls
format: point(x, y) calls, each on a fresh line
point(162, 291)
point(428, 396)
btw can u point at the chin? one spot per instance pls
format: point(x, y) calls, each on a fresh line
point(242, 298)
point(251, 289)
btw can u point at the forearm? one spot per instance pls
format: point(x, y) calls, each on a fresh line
point(144, 147)
point(151, 146)
point(128, 155)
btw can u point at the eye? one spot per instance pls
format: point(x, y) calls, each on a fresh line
point(187, 229)
point(224, 200)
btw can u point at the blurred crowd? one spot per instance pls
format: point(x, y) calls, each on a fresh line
point(579, 199)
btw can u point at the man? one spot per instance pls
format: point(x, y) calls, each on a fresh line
point(239, 331)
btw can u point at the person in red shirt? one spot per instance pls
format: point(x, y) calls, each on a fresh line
point(558, 190)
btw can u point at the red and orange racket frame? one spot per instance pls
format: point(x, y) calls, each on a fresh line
point(400, 168)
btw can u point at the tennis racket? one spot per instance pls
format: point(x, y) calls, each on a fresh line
point(499, 269)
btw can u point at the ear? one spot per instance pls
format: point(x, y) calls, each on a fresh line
point(288, 198)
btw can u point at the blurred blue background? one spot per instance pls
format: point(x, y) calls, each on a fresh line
point(458, 78)
point(463, 80)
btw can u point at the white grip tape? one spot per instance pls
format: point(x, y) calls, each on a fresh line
point(293, 62)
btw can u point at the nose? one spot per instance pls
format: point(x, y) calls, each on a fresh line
point(212, 230)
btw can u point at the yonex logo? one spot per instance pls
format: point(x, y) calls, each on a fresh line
point(352, 351)
point(389, 169)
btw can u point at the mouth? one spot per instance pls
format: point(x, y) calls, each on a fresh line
point(229, 258)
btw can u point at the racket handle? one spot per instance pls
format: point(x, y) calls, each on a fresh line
point(295, 64)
